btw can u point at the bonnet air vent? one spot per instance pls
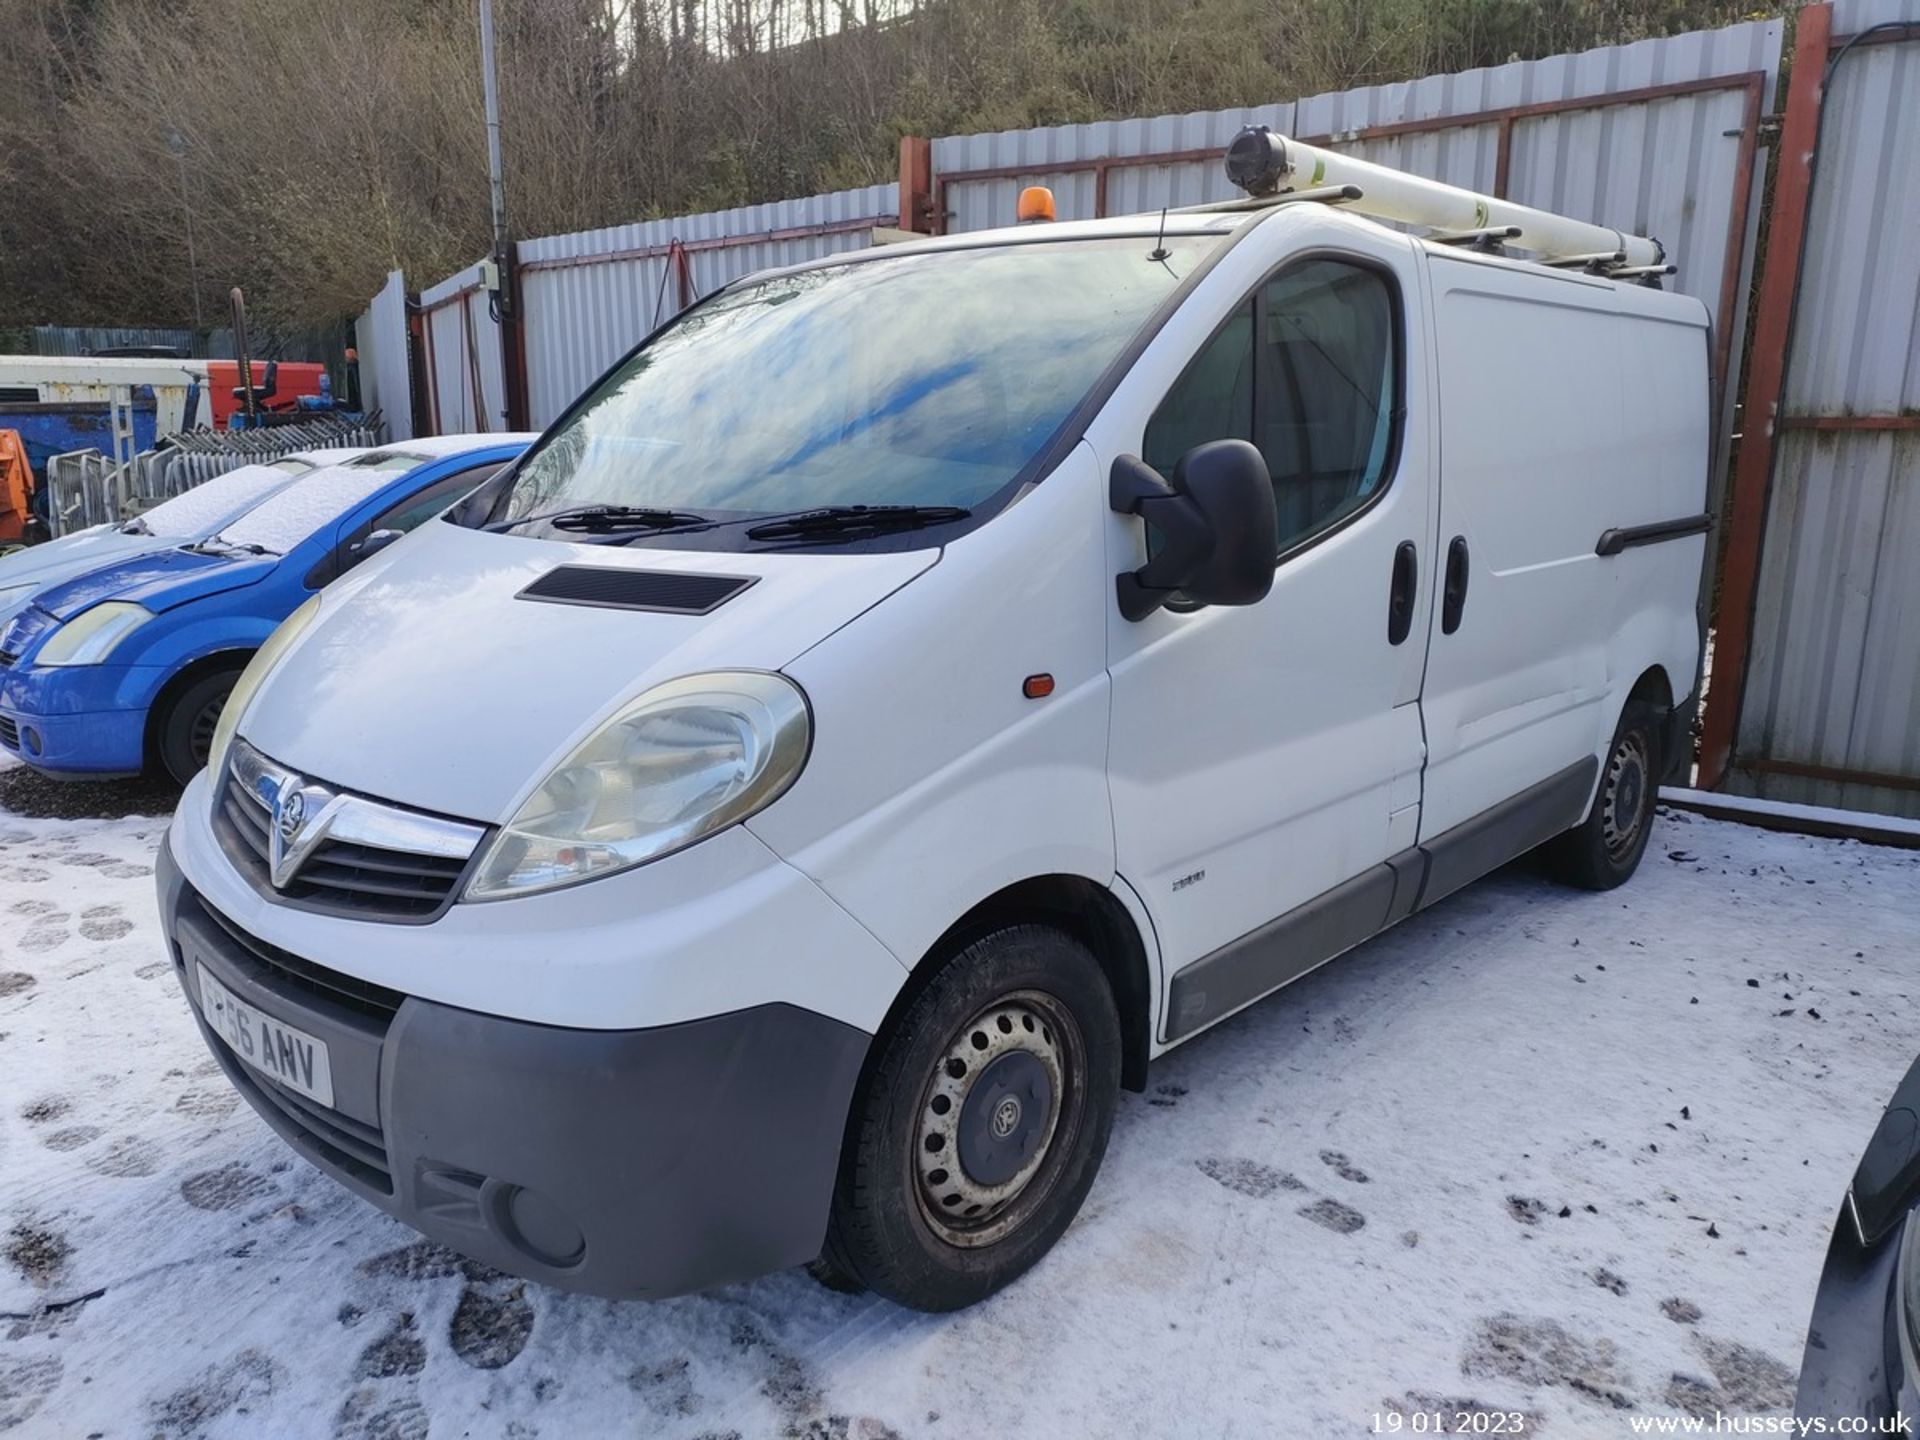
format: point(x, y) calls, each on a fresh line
point(671, 591)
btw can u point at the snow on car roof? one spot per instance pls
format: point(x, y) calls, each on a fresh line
point(192, 513)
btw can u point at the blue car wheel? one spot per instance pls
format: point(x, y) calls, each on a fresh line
point(184, 729)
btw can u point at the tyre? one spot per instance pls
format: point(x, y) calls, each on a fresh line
point(980, 1124)
point(183, 732)
point(1605, 849)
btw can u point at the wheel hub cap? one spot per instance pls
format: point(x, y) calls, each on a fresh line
point(1623, 800)
point(989, 1116)
point(1004, 1117)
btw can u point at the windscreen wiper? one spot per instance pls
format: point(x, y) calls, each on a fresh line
point(136, 526)
point(606, 519)
point(851, 522)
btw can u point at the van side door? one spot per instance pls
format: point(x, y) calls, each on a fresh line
point(1533, 436)
point(1264, 761)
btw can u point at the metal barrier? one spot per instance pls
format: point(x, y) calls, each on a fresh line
point(80, 491)
point(86, 488)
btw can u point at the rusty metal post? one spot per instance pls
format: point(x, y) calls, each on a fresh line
point(1772, 332)
point(513, 341)
point(916, 185)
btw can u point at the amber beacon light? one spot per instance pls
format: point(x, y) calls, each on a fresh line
point(1036, 203)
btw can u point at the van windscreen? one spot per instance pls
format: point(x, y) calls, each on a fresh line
point(922, 379)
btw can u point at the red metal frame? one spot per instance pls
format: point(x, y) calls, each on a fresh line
point(1849, 422)
point(1773, 320)
point(717, 242)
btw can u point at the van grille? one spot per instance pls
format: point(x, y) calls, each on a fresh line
point(340, 1141)
point(9, 732)
point(340, 877)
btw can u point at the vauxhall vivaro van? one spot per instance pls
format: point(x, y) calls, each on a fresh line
point(771, 821)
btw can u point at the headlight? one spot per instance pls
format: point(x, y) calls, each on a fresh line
point(685, 759)
point(90, 636)
point(264, 659)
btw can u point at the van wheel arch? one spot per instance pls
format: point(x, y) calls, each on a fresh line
point(1090, 913)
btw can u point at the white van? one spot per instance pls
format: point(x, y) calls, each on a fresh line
point(772, 821)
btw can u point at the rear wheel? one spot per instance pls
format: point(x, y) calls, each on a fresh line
point(981, 1124)
point(184, 731)
point(1605, 849)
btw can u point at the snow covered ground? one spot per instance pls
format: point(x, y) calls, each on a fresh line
point(1571, 1155)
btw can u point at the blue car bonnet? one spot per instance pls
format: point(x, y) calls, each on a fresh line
point(159, 581)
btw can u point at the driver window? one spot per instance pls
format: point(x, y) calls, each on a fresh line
point(1308, 372)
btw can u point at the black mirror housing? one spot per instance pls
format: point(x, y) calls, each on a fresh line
point(1217, 519)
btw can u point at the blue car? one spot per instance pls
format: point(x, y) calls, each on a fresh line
point(124, 669)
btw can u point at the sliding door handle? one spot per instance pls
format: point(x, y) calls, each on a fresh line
point(1406, 577)
point(1454, 601)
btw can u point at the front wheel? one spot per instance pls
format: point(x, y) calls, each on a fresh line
point(183, 734)
point(1605, 849)
point(981, 1123)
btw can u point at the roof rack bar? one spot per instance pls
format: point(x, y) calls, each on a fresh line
point(1325, 195)
point(1603, 258)
point(1486, 235)
point(1640, 272)
point(1267, 165)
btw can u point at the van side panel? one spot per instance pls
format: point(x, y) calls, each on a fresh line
point(1663, 479)
point(965, 786)
point(1536, 446)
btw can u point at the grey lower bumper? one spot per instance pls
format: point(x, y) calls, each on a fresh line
point(638, 1163)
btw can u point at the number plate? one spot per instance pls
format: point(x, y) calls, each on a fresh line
point(294, 1058)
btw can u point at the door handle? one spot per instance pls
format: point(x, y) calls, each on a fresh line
point(1406, 574)
point(1455, 598)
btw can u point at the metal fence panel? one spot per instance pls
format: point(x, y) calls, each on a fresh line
point(1833, 683)
point(92, 339)
point(466, 385)
point(380, 335)
point(1673, 165)
point(591, 296)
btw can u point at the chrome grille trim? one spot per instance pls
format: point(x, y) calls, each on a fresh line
point(336, 852)
point(354, 818)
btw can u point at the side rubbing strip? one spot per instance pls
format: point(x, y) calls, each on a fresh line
point(1612, 542)
point(673, 592)
point(1279, 951)
point(1514, 826)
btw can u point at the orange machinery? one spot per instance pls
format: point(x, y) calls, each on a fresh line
point(16, 488)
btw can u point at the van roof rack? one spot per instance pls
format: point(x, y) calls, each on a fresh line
point(1269, 167)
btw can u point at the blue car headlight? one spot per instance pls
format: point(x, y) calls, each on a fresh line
point(90, 637)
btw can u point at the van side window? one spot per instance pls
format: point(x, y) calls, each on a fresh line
point(1317, 393)
point(1324, 401)
point(1212, 401)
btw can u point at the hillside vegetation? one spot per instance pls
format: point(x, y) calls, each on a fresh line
point(309, 148)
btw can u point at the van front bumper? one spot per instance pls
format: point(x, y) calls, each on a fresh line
point(625, 1163)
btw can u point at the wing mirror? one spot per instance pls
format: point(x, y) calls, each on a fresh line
point(370, 545)
point(1216, 522)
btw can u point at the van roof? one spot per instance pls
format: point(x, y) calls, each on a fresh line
point(1231, 215)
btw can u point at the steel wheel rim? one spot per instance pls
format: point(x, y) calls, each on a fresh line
point(1021, 1030)
point(1623, 810)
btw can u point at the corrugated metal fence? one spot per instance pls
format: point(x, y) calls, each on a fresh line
point(590, 297)
point(465, 383)
point(1829, 713)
